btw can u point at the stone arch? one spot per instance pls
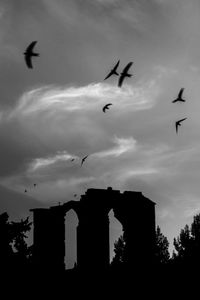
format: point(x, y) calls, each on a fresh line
point(115, 231)
point(135, 212)
point(71, 223)
point(71, 216)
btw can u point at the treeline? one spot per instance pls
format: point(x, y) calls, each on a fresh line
point(14, 251)
point(186, 247)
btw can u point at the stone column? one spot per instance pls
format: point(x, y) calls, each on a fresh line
point(49, 239)
point(93, 251)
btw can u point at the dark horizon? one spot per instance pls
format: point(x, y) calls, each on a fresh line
point(141, 248)
point(70, 222)
point(141, 263)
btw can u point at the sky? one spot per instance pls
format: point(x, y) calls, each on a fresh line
point(53, 112)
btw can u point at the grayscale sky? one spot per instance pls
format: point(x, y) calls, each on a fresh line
point(53, 113)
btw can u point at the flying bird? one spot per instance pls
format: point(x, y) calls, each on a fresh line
point(29, 54)
point(179, 98)
point(113, 71)
point(25, 191)
point(72, 159)
point(178, 123)
point(34, 184)
point(106, 107)
point(124, 74)
point(83, 159)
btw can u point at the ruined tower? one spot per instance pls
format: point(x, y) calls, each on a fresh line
point(135, 212)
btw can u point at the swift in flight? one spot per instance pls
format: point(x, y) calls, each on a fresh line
point(113, 71)
point(83, 159)
point(29, 54)
point(178, 123)
point(179, 98)
point(124, 74)
point(106, 107)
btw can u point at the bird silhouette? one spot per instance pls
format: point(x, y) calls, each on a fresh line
point(106, 107)
point(179, 98)
point(72, 159)
point(75, 195)
point(25, 191)
point(29, 54)
point(124, 74)
point(178, 123)
point(113, 71)
point(34, 184)
point(83, 159)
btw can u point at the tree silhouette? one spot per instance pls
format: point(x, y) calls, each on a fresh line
point(162, 255)
point(161, 249)
point(22, 251)
point(12, 237)
point(187, 244)
point(6, 238)
point(183, 245)
point(119, 247)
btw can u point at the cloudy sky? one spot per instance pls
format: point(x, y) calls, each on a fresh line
point(53, 113)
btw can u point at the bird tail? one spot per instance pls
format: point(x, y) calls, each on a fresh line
point(129, 75)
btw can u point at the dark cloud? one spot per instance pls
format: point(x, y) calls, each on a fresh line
point(17, 204)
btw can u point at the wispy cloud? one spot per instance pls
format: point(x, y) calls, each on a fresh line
point(123, 145)
point(46, 162)
point(72, 13)
point(165, 213)
point(87, 98)
point(140, 172)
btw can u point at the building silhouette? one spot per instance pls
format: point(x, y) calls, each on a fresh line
point(135, 212)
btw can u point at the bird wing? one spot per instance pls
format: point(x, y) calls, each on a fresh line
point(121, 79)
point(176, 127)
point(182, 120)
point(28, 61)
point(125, 70)
point(109, 104)
point(31, 46)
point(116, 66)
point(180, 93)
point(111, 72)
